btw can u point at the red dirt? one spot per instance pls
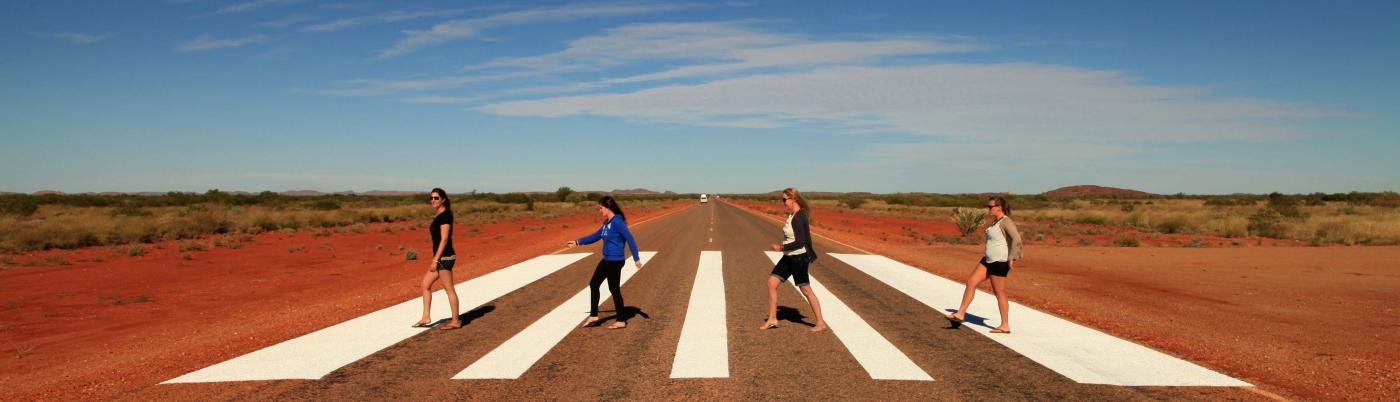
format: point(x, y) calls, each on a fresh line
point(1306, 322)
point(108, 323)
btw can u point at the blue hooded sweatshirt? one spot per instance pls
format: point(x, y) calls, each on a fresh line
point(613, 233)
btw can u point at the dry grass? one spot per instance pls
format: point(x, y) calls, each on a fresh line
point(1329, 223)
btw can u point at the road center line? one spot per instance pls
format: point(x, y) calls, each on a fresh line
point(703, 351)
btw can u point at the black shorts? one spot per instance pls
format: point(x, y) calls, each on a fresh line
point(446, 265)
point(999, 268)
point(794, 266)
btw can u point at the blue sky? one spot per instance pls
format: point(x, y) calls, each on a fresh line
point(251, 95)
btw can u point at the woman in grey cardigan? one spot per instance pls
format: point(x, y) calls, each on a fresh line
point(1002, 250)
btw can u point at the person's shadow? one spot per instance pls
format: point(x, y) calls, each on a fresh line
point(628, 313)
point(467, 317)
point(968, 318)
point(793, 315)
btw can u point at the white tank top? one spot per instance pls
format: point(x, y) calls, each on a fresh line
point(789, 237)
point(997, 248)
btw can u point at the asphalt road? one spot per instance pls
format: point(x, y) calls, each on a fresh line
point(787, 363)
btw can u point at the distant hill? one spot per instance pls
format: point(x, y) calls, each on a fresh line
point(638, 191)
point(301, 193)
point(1094, 191)
point(387, 192)
point(47, 192)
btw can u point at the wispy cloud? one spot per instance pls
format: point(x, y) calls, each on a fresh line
point(209, 42)
point(469, 28)
point(956, 101)
point(441, 100)
point(710, 49)
point(286, 21)
point(252, 5)
point(384, 18)
point(73, 37)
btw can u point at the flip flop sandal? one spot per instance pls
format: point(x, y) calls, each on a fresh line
point(770, 325)
point(422, 325)
point(1001, 331)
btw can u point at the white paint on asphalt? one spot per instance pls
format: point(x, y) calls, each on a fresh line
point(703, 351)
point(517, 354)
point(1080, 353)
point(314, 355)
point(876, 354)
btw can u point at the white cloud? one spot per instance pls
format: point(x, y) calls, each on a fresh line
point(440, 100)
point(469, 28)
point(208, 42)
point(965, 102)
point(390, 17)
point(253, 5)
point(286, 21)
point(73, 37)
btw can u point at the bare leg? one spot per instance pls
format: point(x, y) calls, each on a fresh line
point(978, 276)
point(816, 307)
point(772, 303)
point(445, 276)
point(427, 286)
point(999, 288)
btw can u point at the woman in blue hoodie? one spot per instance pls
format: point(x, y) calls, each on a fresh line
point(613, 233)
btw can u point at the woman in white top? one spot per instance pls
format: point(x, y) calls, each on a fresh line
point(1002, 250)
point(797, 254)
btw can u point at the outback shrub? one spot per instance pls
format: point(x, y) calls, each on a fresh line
point(325, 204)
point(853, 202)
point(968, 220)
point(1126, 241)
point(18, 205)
point(562, 194)
point(1285, 205)
point(136, 250)
point(1267, 222)
point(410, 255)
point(1174, 224)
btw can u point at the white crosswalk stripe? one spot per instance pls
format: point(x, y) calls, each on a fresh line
point(517, 354)
point(314, 355)
point(703, 350)
point(1080, 353)
point(874, 353)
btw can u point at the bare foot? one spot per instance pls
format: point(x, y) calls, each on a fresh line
point(421, 324)
point(821, 326)
point(769, 325)
point(591, 321)
point(450, 326)
point(956, 319)
point(1000, 330)
point(618, 325)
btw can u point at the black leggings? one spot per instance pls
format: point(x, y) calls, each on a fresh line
point(612, 271)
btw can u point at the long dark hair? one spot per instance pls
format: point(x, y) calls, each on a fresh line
point(611, 204)
point(1001, 201)
point(446, 203)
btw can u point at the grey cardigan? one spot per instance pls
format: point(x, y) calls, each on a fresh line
point(1013, 238)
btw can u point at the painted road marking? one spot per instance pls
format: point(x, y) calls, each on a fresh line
point(517, 354)
point(314, 355)
point(875, 353)
point(703, 351)
point(1080, 353)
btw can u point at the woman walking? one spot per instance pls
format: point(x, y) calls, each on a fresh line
point(797, 254)
point(440, 268)
point(1002, 250)
point(613, 233)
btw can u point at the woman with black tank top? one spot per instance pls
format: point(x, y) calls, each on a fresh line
point(797, 255)
point(444, 258)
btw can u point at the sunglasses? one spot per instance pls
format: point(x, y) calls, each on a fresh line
point(435, 198)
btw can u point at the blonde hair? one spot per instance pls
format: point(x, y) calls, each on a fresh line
point(801, 202)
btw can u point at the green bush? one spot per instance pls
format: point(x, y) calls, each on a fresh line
point(968, 220)
point(854, 202)
point(1173, 225)
point(325, 204)
point(410, 255)
point(1125, 241)
point(1267, 222)
point(18, 205)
